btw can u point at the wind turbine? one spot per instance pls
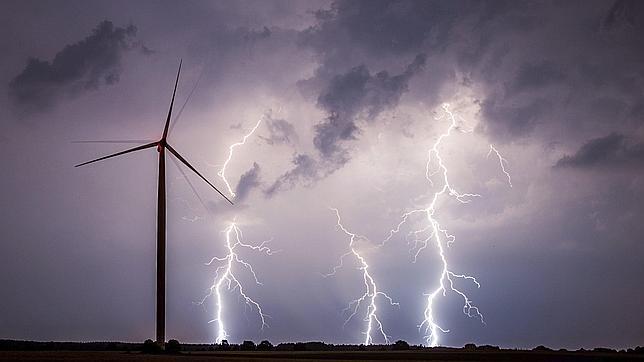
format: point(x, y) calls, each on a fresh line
point(162, 145)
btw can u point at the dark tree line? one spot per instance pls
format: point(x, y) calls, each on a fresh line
point(173, 346)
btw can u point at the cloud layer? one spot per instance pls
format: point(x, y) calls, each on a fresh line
point(613, 150)
point(85, 65)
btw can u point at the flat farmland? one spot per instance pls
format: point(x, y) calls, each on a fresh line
point(317, 356)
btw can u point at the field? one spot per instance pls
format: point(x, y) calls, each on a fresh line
point(318, 356)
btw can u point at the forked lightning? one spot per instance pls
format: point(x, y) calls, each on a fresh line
point(231, 149)
point(436, 173)
point(225, 275)
point(371, 291)
point(502, 161)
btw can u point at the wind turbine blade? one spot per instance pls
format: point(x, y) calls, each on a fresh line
point(176, 163)
point(112, 141)
point(176, 118)
point(180, 158)
point(142, 147)
point(167, 121)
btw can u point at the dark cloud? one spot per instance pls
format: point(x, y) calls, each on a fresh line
point(510, 121)
point(226, 39)
point(529, 71)
point(609, 151)
point(280, 132)
point(305, 171)
point(350, 93)
point(546, 81)
point(354, 94)
point(87, 64)
point(623, 13)
point(380, 27)
point(247, 182)
point(537, 79)
point(531, 76)
point(330, 133)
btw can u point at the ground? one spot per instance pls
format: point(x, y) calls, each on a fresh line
point(317, 356)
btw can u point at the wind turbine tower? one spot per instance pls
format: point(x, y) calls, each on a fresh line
point(161, 145)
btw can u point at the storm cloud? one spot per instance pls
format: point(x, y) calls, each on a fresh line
point(355, 94)
point(610, 151)
point(541, 81)
point(305, 170)
point(78, 67)
point(380, 27)
point(247, 182)
point(350, 99)
point(280, 132)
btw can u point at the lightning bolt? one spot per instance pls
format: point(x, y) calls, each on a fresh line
point(222, 171)
point(502, 161)
point(441, 237)
point(371, 291)
point(225, 276)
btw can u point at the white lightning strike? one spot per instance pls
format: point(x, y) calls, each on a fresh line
point(502, 161)
point(441, 237)
point(225, 275)
point(222, 172)
point(371, 291)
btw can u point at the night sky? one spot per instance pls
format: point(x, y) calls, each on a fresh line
point(349, 94)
